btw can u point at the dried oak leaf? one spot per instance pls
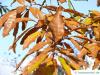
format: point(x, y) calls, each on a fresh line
point(57, 25)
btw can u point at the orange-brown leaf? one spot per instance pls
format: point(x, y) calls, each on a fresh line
point(29, 33)
point(22, 19)
point(20, 9)
point(34, 64)
point(31, 38)
point(97, 33)
point(77, 45)
point(57, 25)
point(74, 12)
point(4, 18)
point(71, 24)
point(9, 24)
point(37, 13)
point(62, 1)
point(21, 1)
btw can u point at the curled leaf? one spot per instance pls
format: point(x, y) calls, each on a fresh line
point(57, 25)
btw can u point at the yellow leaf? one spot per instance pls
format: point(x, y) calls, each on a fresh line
point(87, 21)
point(77, 18)
point(37, 13)
point(31, 38)
point(37, 47)
point(65, 66)
point(45, 70)
point(34, 64)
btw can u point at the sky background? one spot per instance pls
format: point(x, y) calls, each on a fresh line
point(82, 6)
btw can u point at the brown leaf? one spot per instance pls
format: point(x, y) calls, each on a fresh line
point(31, 38)
point(4, 18)
point(72, 24)
point(37, 47)
point(14, 43)
point(24, 23)
point(20, 9)
point(77, 45)
point(39, 39)
point(40, 23)
point(22, 19)
point(14, 34)
point(31, 51)
point(45, 69)
point(74, 64)
point(94, 13)
point(28, 33)
point(74, 12)
point(82, 53)
point(93, 48)
point(29, 1)
point(37, 13)
point(9, 24)
point(97, 33)
point(98, 2)
point(57, 25)
point(16, 29)
point(53, 8)
point(16, 26)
